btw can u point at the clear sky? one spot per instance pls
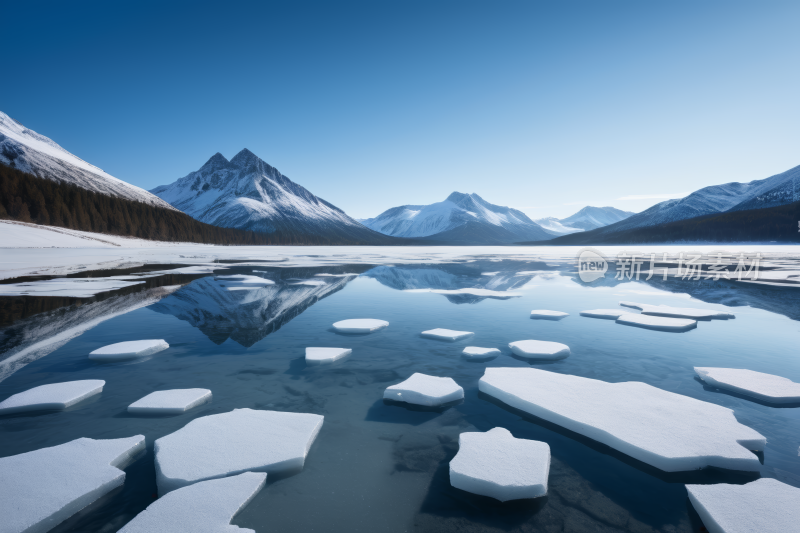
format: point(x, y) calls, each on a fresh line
point(544, 106)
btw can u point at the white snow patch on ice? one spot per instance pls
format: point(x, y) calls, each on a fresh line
point(205, 507)
point(612, 314)
point(659, 323)
point(497, 465)
point(765, 505)
point(475, 352)
point(446, 334)
point(546, 350)
point(421, 389)
point(765, 387)
point(546, 314)
point(316, 356)
point(170, 402)
point(52, 396)
point(123, 351)
point(677, 312)
point(231, 443)
point(666, 430)
point(42, 488)
point(359, 325)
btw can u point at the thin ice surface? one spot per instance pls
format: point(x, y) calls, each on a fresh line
point(497, 465)
point(421, 389)
point(663, 429)
point(242, 440)
point(128, 350)
point(446, 334)
point(173, 401)
point(611, 314)
point(315, 356)
point(52, 396)
point(42, 488)
point(533, 349)
point(659, 323)
point(765, 506)
point(677, 312)
point(206, 507)
point(359, 325)
point(766, 387)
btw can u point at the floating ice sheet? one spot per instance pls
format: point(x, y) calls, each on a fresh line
point(764, 506)
point(242, 440)
point(545, 314)
point(170, 402)
point(546, 350)
point(123, 351)
point(677, 312)
point(765, 387)
point(42, 488)
point(446, 334)
point(609, 314)
point(316, 356)
point(497, 465)
point(52, 396)
point(666, 430)
point(205, 507)
point(475, 352)
point(359, 325)
point(658, 323)
point(421, 389)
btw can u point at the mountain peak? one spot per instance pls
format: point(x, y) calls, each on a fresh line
point(457, 197)
point(245, 158)
point(215, 162)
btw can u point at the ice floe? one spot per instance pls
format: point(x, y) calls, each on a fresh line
point(42, 488)
point(677, 312)
point(316, 356)
point(205, 507)
point(545, 314)
point(123, 351)
point(611, 314)
point(765, 506)
point(765, 387)
point(666, 430)
point(230, 443)
point(497, 465)
point(477, 353)
point(446, 334)
point(170, 402)
point(359, 325)
point(533, 349)
point(51, 397)
point(421, 389)
point(660, 323)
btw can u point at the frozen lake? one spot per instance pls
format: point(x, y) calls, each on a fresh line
point(378, 466)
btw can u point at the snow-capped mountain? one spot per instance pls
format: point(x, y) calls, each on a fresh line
point(770, 192)
point(460, 219)
point(554, 225)
point(31, 152)
point(586, 219)
point(247, 193)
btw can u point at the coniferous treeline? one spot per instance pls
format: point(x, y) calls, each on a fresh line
point(28, 198)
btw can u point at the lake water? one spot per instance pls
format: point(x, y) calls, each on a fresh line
point(378, 467)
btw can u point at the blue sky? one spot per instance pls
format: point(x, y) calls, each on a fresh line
point(544, 106)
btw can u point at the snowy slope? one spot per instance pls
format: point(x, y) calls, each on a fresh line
point(446, 221)
point(595, 217)
point(554, 225)
point(31, 152)
point(770, 192)
point(247, 193)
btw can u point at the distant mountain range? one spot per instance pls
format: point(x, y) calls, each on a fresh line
point(753, 211)
point(30, 152)
point(459, 219)
point(246, 193)
point(588, 218)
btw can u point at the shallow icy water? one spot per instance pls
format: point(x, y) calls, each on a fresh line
point(378, 467)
